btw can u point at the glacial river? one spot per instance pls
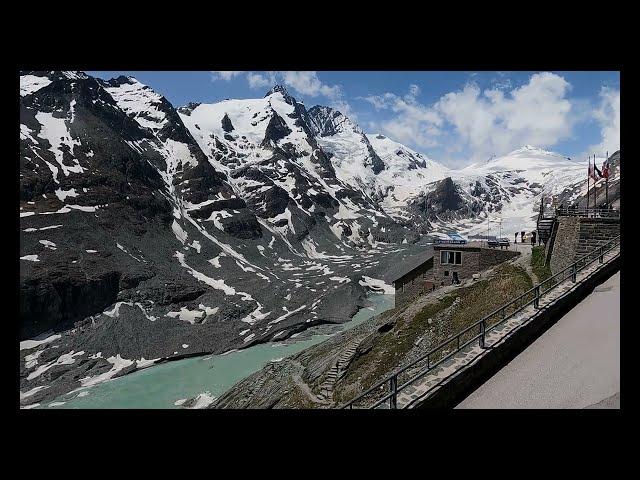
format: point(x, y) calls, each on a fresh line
point(208, 376)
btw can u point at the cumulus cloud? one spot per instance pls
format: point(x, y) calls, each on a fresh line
point(608, 116)
point(495, 121)
point(491, 121)
point(308, 83)
point(303, 83)
point(225, 75)
point(257, 80)
point(414, 123)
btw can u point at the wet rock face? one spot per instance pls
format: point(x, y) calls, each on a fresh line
point(173, 291)
point(58, 296)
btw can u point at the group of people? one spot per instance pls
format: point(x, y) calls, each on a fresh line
point(532, 237)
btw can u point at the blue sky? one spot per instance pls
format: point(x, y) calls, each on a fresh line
point(453, 117)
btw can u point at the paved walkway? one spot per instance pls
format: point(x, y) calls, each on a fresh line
point(574, 364)
point(409, 396)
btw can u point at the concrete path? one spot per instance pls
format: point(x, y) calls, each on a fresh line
point(574, 364)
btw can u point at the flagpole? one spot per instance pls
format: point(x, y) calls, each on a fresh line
point(606, 180)
point(594, 180)
point(593, 175)
point(588, 183)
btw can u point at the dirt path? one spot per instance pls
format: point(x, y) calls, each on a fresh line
point(524, 260)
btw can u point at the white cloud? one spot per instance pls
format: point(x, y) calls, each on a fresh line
point(494, 121)
point(305, 83)
point(413, 123)
point(302, 82)
point(257, 80)
point(308, 83)
point(608, 116)
point(225, 75)
point(345, 108)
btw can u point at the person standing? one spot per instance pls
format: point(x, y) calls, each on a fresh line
point(516, 239)
point(533, 238)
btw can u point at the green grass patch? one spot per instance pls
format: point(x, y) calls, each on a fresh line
point(476, 301)
point(541, 270)
point(390, 348)
point(485, 297)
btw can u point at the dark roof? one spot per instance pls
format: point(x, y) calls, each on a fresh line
point(408, 265)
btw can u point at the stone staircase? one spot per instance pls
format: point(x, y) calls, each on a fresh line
point(594, 232)
point(337, 370)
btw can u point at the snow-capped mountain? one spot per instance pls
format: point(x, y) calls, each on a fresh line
point(150, 233)
point(270, 151)
point(508, 189)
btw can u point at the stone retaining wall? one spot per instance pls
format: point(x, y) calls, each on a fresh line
point(564, 243)
point(577, 236)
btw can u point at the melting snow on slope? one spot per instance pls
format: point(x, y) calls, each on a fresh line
point(139, 101)
point(31, 83)
point(40, 340)
point(186, 315)
point(202, 400)
point(55, 131)
point(66, 359)
point(118, 363)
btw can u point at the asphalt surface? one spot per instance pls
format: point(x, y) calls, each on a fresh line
point(574, 364)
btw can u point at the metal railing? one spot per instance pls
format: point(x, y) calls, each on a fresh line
point(478, 330)
point(588, 212)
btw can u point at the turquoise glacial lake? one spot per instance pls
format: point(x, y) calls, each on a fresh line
point(162, 385)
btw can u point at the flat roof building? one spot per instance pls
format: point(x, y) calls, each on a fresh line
point(452, 261)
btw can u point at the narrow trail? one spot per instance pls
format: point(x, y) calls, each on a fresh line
point(524, 260)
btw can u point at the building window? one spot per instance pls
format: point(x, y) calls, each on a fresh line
point(448, 257)
point(446, 273)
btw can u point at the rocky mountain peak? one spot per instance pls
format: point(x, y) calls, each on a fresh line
point(188, 108)
point(283, 91)
point(227, 126)
point(326, 121)
point(278, 88)
point(122, 80)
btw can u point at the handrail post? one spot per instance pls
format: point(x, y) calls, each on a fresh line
point(601, 259)
point(536, 300)
point(482, 334)
point(574, 273)
point(393, 386)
